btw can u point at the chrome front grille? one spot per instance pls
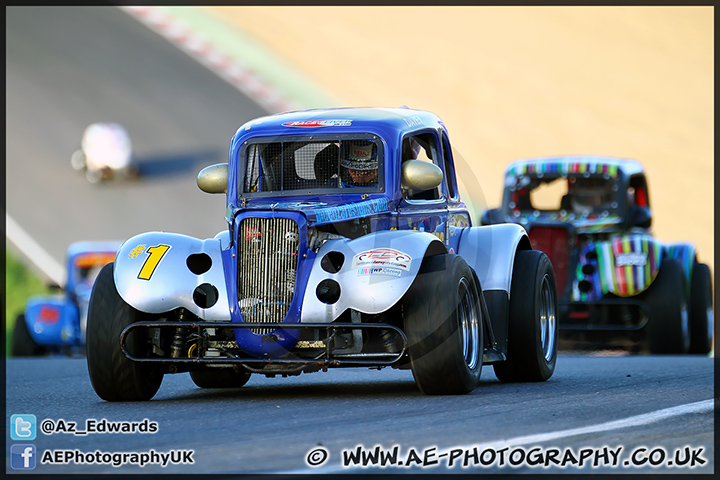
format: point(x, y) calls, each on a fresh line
point(267, 267)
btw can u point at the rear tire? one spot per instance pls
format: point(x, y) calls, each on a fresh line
point(443, 324)
point(668, 326)
point(701, 310)
point(532, 328)
point(23, 344)
point(114, 376)
point(220, 378)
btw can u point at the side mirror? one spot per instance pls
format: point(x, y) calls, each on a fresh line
point(213, 179)
point(639, 217)
point(419, 175)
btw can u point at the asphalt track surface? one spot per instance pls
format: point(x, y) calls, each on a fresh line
point(69, 67)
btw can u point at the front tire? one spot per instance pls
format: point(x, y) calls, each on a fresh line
point(532, 328)
point(114, 376)
point(701, 310)
point(443, 324)
point(668, 328)
point(220, 378)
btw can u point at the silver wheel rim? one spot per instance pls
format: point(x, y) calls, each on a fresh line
point(710, 322)
point(548, 322)
point(469, 324)
point(685, 325)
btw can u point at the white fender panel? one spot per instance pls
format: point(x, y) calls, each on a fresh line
point(377, 271)
point(490, 251)
point(152, 274)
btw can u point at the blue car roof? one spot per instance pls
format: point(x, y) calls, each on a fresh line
point(575, 164)
point(385, 122)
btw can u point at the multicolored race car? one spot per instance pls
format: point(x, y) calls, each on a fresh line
point(347, 246)
point(56, 323)
point(617, 283)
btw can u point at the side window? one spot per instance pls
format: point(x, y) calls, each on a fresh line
point(447, 156)
point(424, 148)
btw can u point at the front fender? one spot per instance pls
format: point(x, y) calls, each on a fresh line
point(624, 265)
point(158, 272)
point(490, 251)
point(376, 271)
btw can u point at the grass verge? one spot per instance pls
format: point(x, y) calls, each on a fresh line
point(20, 284)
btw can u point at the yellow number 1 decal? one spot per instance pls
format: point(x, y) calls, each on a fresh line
point(155, 255)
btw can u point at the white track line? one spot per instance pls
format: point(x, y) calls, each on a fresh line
point(32, 250)
point(634, 421)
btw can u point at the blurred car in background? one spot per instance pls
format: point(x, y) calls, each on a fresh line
point(105, 152)
point(56, 323)
point(616, 282)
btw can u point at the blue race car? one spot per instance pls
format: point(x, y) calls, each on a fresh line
point(347, 246)
point(618, 284)
point(55, 324)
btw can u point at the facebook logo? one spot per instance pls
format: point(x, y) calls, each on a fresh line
point(22, 457)
point(23, 427)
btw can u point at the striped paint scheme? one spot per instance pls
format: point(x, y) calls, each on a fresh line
point(590, 167)
point(624, 265)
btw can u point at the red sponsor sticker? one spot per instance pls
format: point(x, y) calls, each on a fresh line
point(382, 257)
point(49, 315)
point(319, 123)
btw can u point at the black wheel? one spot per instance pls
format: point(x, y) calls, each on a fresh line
point(668, 325)
point(220, 378)
point(532, 323)
point(23, 344)
point(115, 377)
point(701, 309)
point(443, 324)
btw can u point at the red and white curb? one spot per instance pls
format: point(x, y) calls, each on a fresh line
point(245, 79)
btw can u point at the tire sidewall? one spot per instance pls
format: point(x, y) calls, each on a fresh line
point(667, 304)
point(432, 325)
point(700, 301)
point(114, 376)
point(526, 361)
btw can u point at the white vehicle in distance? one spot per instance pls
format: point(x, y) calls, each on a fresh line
point(105, 150)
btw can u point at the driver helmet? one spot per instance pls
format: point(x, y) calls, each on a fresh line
point(589, 193)
point(359, 164)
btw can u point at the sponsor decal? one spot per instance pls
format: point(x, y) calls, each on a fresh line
point(354, 210)
point(252, 234)
point(382, 257)
point(633, 259)
point(389, 271)
point(318, 123)
point(49, 315)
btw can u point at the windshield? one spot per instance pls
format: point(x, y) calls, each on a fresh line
point(593, 196)
point(308, 165)
point(86, 267)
